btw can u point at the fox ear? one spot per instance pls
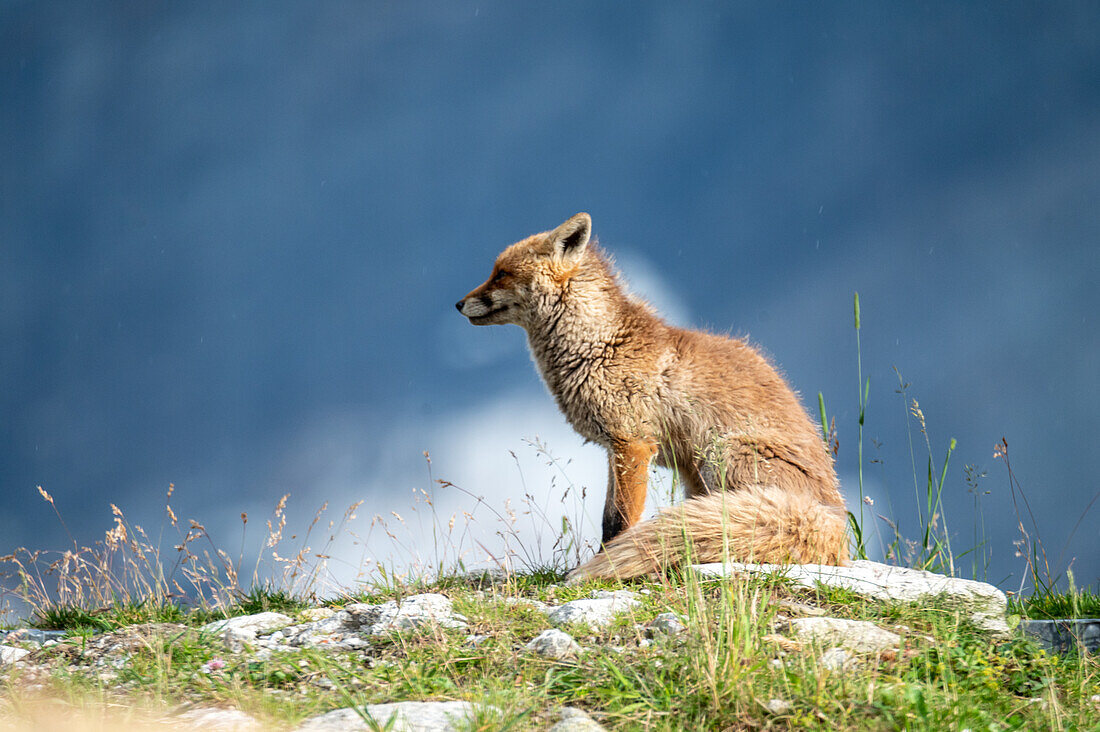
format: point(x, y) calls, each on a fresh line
point(570, 239)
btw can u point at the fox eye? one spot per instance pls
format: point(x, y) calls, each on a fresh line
point(501, 274)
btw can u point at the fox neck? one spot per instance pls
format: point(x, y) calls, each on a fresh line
point(578, 327)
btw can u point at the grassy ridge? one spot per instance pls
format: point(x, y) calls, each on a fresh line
point(721, 673)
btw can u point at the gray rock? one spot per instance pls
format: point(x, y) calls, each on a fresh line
point(11, 654)
point(859, 636)
point(597, 611)
point(554, 644)
point(984, 603)
point(219, 720)
point(31, 635)
point(667, 624)
point(410, 717)
point(1061, 636)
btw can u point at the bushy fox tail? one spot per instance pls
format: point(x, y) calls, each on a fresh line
point(758, 524)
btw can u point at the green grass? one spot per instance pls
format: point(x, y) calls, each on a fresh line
point(1054, 605)
point(118, 615)
point(80, 619)
point(268, 598)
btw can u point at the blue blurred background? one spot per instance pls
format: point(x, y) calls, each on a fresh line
point(232, 234)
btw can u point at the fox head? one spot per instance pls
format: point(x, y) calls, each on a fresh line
point(528, 274)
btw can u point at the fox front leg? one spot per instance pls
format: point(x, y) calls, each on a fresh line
point(628, 479)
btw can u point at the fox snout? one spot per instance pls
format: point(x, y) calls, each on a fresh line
point(481, 308)
point(473, 306)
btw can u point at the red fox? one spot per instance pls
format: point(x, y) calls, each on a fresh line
point(759, 480)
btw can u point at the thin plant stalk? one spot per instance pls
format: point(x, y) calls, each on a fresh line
point(864, 393)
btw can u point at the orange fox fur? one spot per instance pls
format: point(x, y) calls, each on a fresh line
point(759, 480)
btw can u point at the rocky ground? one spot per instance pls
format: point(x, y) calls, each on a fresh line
point(546, 655)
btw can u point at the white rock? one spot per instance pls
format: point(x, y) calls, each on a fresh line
point(327, 632)
point(344, 629)
point(554, 644)
point(219, 720)
point(338, 630)
point(11, 654)
point(411, 717)
point(247, 627)
point(985, 604)
point(411, 612)
point(597, 611)
point(859, 636)
point(778, 706)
